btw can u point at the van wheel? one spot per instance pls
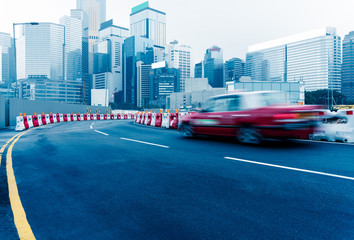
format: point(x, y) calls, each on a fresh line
point(249, 135)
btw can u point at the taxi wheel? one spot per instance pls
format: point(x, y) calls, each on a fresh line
point(249, 135)
point(186, 131)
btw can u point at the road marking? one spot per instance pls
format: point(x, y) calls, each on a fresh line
point(101, 133)
point(153, 144)
point(5, 145)
point(91, 125)
point(23, 228)
point(340, 143)
point(291, 168)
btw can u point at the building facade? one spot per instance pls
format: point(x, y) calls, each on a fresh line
point(39, 51)
point(313, 57)
point(6, 58)
point(199, 70)
point(348, 67)
point(149, 23)
point(39, 87)
point(143, 84)
point(135, 49)
point(72, 47)
point(108, 58)
point(234, 69)
point(214, 67)
point(163, 82)
point(180, 56)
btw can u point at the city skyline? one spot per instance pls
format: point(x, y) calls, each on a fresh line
point(252, 25)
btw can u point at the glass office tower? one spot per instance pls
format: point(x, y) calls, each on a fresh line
point(312, 57)
point(39, 51)
point(214, 67)
point(348, 67)
point(149, 23)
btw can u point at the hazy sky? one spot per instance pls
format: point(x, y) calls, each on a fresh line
point(230, 24)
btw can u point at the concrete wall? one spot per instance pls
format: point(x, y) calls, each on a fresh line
point(2, 112)
point(17, 106)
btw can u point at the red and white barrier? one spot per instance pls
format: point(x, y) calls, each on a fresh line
point(335, 126)
point(165, 120)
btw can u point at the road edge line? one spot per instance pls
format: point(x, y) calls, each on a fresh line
point(23, 228)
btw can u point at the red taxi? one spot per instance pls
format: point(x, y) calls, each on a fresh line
point(251, 117)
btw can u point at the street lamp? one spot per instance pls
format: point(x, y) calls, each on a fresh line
point(15, 55)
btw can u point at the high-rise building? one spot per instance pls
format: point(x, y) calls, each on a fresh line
point(164, 81)
point(108, 58)
point(199, 70)
point(5, 57)
point(143, 84)
point(94, 13)
point(39, 51)
point(72, 47)
point(180, 56)
point(312, 57)
point(135, 49)
point(214, 67)
point(234, 69)
point(149, 23)
point(348, 67)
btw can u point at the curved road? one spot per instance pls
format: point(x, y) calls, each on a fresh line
point(117, 180)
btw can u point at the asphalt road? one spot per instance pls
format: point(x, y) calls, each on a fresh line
point(117, 180)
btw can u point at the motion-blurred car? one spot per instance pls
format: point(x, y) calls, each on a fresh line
point(251, 117)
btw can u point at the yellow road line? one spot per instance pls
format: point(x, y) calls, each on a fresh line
point(5, 145)
point(23, 228)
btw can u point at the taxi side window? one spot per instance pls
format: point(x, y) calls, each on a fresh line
point(220, 105)
point(234, 104)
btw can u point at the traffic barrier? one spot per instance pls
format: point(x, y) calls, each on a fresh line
point(105, 117)
point(40, 120)
point(165, 120)
point(35, 121)
point(44, 119)
point(92, 117)
point(125, 116)
point(51, 118)
point(153, 119)
point(78, 117)
point(65, 117)
point(30, 121)
point(112, 117)
point(98, 117)
point(101, 117)
point(146, 119)
point(75, 118)
point(335, 126)
point(158, 121)
point(149, 119)
point(174, 120)
point(85, 117)
point(21, 123)
point(61, 117)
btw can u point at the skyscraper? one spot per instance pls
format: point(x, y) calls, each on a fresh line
point(5, 58)
point(108, 58)
point(348, 67)
point(39, 51)
point(149, 23)
point(135, 49)
point(95, 11)
point(72, 47)
point(234, 69)
point(180, 56)
point(313, 57)
point(94, 15)
point(214, 67)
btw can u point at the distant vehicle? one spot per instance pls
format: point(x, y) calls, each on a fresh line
point(251, 117)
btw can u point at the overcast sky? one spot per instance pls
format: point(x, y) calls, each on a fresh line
point(230, 24)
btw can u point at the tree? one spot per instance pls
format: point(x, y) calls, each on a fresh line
point(323, 97)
